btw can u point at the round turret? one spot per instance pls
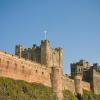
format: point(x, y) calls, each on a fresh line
point(46, 53)
point(57, 82)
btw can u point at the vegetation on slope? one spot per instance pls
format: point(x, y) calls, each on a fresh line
point(94, 96)
point(68, 95)
point(20, 90)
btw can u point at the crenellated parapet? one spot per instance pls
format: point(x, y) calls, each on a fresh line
point(40, 64)
point(76, 74)
point(58, 55)
point(44, 64)
point(21, 69)
point(33, 53)
point(43, 54)
point(95, 78)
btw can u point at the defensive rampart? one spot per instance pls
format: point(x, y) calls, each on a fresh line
point(68, 84)
point(86, 86)
point(20, 69)
point(96, 82)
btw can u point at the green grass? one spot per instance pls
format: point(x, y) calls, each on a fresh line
point(20, 90)
point(68, 95)
point(87, 93)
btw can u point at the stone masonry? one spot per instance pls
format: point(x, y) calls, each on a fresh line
point(43, 64)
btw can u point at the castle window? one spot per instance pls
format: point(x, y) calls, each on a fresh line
point(36, 71)
point(7, 64)
point(42, 73)
point(80, 70)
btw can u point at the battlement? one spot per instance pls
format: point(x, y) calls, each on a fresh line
point(96, 67)
point(44, 64)
point(42, 54)
point(40, 64)
point(58, 49)
point(6, 54)
point(83, 63)
point(45, 41)
point(21, 69)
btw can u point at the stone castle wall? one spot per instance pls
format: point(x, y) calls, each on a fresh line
point(43, 54)
point(21, 69)
point(68, 84)
point(86, 85)
point(96, 82)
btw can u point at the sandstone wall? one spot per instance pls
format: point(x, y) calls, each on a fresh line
point(86, 85)
point(21, 69)
point(96, 82)
point(68, 84)
point(57, 82)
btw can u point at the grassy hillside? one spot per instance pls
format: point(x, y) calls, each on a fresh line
point(20, 90)
point(68, 95)
point(94, 96)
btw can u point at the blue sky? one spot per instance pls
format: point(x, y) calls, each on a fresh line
point(73, 25)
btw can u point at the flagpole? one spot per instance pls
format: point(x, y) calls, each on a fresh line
point(45, 32)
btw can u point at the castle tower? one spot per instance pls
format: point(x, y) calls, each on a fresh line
point(18, 50)
point(56, 75)
point(57, 82)
point(46, 53)
point(57, 57)
point(77, 72)
point(95, 78)
point(78, 84)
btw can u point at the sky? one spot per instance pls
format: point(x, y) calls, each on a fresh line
point(73, 25)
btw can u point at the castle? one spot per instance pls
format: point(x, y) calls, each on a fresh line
point(43, 64)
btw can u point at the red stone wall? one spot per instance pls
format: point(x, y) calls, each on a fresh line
point(21, 69)
point(57, 82)
point(86, 85)
point(68, 84)
point(96, 82)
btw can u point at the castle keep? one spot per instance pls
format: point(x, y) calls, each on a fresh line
point(44, 64)
point(83, 71)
